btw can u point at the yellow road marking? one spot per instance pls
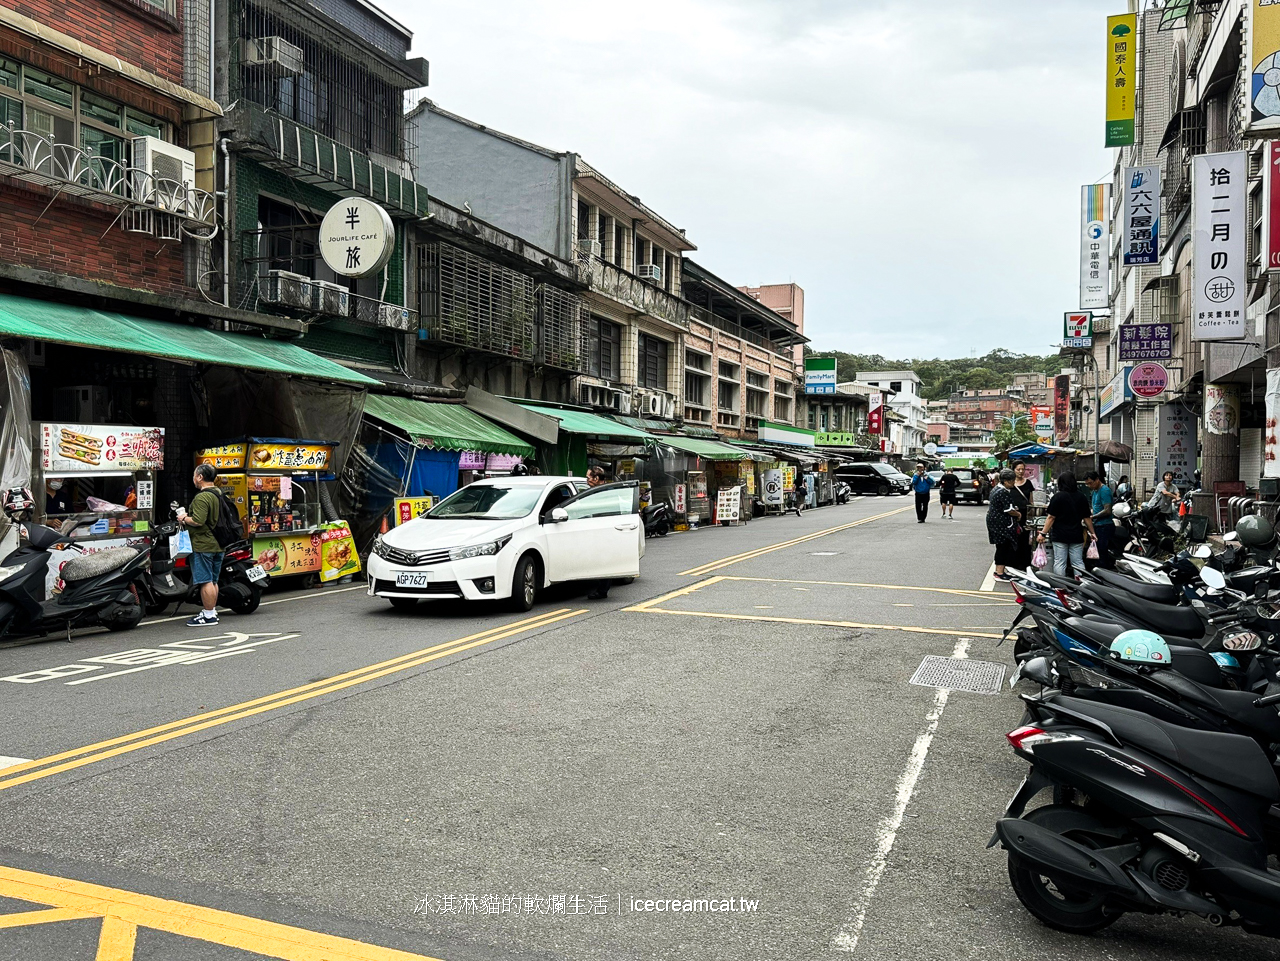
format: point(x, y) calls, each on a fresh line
point(126, 911)
point(761, 551)
point(645, 605)
point(44, 916)
point(23, 773)
point(951, 632)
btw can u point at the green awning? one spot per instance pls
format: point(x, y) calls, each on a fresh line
point(444, 426)
point(590, 425)
point(67, 324)
point(646, 425)
point(708, 449)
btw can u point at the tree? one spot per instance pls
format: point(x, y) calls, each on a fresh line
point(1009, 435)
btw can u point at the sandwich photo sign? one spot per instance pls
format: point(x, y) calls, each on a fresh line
point(100, 449)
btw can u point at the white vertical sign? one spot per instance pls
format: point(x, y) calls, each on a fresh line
point(1271, 436)
point(1095, 246)
point(1218, 205)
point(1141, 238)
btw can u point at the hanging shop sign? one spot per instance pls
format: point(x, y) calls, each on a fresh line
point(1122, 46)
point(1264, 66)
point(1271, 206)
point(1062, 408)
point(1176, 446)
point(1141, 241)
point(1218, 204)
point(1146, 341)
point(771, 433)
point(1042, 422)
point(407, 508)
point(819, 375)
point(1221, 409)
point(98, 448)
point(226, 457)
point(1095, 245)
point(875, 413)
point(1077, 329)
point(1116, 393)
point(357, 238)
point(1148, 380)
point(285, 455)
point(1271, 438)
point(678, 499)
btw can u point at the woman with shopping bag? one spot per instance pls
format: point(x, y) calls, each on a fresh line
point(1066, 520)
point(1004, 523)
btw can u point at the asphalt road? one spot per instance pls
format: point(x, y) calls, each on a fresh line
point(331, 779)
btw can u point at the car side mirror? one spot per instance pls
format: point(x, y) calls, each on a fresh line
point(559, 515)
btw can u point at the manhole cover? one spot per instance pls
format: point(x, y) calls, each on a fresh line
point(960, 674)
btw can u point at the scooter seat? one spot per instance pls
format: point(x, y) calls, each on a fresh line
point(1189, 658)
point(1229, 759)
point(1234, 705)
point(94, 565)
point(1160, 593)
point(1161, 618)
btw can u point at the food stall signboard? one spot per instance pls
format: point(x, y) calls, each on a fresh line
point(330, 551)
point(679, 499)
point(98, 448)
point(289, 456)
point(407, 508)
point(226, 457)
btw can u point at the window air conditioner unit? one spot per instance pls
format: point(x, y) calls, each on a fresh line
point(653, 404)
point(589, 248)
point(163, 174)
point(288, 289)
point(651, 272)
point(327, 298)
point(395, 317)
point(272, 53)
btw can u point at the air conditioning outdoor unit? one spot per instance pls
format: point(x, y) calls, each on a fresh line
point(395, 317)
point(272, 53)
point(327, 298)
point(163, 174)
point(589, 248)
point(651, 272)
point(654, 405)
point(289, 289)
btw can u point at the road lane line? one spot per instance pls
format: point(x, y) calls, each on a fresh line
point(761, 551)
point(313, 689)
point(646, 605)
point(846, 939)
point(12, 761)
point(951, 631)
point(126, 911)
point(989, 582)
point(22, 919)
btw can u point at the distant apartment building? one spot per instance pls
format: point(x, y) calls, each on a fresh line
point(906, 401)
point(985, 409)
point(1035, 389)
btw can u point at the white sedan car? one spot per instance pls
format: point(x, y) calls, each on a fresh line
point(506, 538)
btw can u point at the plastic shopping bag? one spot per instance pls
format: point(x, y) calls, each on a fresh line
point(1040, 558)
point(180, 543)
point(1092, 553)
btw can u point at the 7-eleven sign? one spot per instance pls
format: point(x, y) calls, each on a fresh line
point(1077, 329)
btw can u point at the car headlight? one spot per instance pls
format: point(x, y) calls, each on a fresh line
point(478, 550)
point(379, 548)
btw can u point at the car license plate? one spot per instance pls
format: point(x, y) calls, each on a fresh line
point(256, 573)
point(412, 579)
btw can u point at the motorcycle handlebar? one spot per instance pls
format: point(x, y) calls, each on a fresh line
point(1267, 701)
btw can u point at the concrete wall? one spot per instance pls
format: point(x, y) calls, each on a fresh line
point(517, 189)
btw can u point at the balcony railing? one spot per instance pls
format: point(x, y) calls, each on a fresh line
point(702, 315)
point(639, 295)
point(149, 204)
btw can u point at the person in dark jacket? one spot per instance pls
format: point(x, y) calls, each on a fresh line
point(1004, 523)
point(1067, 518)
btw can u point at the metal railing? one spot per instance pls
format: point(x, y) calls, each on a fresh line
point(702, 315)
point(640, 295)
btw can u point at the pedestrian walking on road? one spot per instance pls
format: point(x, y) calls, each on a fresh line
point(921, 484)
point(1024, 490)
point(947, 492)
point(206, 552)
point(1004, 523)
point(801, 493)
point(1067, 518)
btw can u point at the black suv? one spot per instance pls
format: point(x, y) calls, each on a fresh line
point(874, 478)
point(972, 486)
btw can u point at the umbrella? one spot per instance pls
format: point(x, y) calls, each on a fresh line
point(1114, 450)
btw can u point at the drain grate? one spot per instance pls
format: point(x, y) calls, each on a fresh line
point(960, 674)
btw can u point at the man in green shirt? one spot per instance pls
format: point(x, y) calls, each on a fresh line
point(206, 552)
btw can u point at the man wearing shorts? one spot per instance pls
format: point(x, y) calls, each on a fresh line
point(206, 552)
point(947, 493)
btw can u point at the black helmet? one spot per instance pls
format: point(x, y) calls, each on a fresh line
point(1254, 530)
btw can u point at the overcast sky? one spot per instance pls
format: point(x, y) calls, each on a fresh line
point(914, 165)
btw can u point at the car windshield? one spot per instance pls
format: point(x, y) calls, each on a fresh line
point(885, 469)
point(964, 475)
point(488, 501)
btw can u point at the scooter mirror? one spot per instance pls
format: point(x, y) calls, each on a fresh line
point(1230, 536)
point(1204, 551)
point(1213, 578)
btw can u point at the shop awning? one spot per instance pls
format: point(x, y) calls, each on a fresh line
point(68, 324)
point(588, 424)
point(708, 449)
point(444, 426)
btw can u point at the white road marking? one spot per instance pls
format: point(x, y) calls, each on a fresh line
point(303, 596)
point(6, 761)
point(846, 940)
point(989, 582)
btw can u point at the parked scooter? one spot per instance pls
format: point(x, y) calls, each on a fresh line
point(240, 582)
point(843, 493)
point(100, 589)
point(657, 519)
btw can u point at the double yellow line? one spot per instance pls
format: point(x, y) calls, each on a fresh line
point(103, 750)
point(761, 551)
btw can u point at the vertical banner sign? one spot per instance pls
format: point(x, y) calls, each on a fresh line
point(1062, 408)
point(1271, 449)
point(1264, 66)
point(1042, 422)
point(1176, 448)
point(1221, 409)
point(1271, 207)
point(1122, 62)
point(875, 413)
point(1094, 246)
point(1141, 215)
point(1218, 221)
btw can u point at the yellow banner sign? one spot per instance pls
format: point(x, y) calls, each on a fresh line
point(407, 508)
point(285, 456)
point(1122, 64)
point(331, 552)
point(226, 457)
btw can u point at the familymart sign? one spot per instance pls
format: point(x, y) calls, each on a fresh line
point(771, 433)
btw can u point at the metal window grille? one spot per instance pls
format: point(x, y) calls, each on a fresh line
point(564, 329)
point(472, 302)
point(1189, 143)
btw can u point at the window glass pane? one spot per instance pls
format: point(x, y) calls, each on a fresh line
point(10, 113)
point(48, 88)
point(140, 125)
point(8, 73)
point(100, 109)
point(606, 503)
point(106, 157)
point(59, 129)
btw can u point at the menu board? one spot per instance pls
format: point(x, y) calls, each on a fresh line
point(280, 455)
point(99, 448)
point(729, 505)
point(329, 551)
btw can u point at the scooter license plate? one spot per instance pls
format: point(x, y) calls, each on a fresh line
point(1013, 800)
point(412, 579)
point(256, 573)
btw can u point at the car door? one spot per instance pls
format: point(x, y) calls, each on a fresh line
point(859, 478)
point(600, 538)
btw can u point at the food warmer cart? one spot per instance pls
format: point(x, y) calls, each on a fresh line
point(275, 482)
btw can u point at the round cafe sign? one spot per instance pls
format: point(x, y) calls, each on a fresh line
point(357, 238)
point(1148, 380)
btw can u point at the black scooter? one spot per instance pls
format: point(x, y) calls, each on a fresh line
point(657, 519)
point(100, 588)
point(240, 582)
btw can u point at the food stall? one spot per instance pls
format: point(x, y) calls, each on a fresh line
point(275, 482)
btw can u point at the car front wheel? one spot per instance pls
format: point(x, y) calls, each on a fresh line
point(524, 583)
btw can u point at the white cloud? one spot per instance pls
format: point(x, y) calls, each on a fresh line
point(915, 166)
